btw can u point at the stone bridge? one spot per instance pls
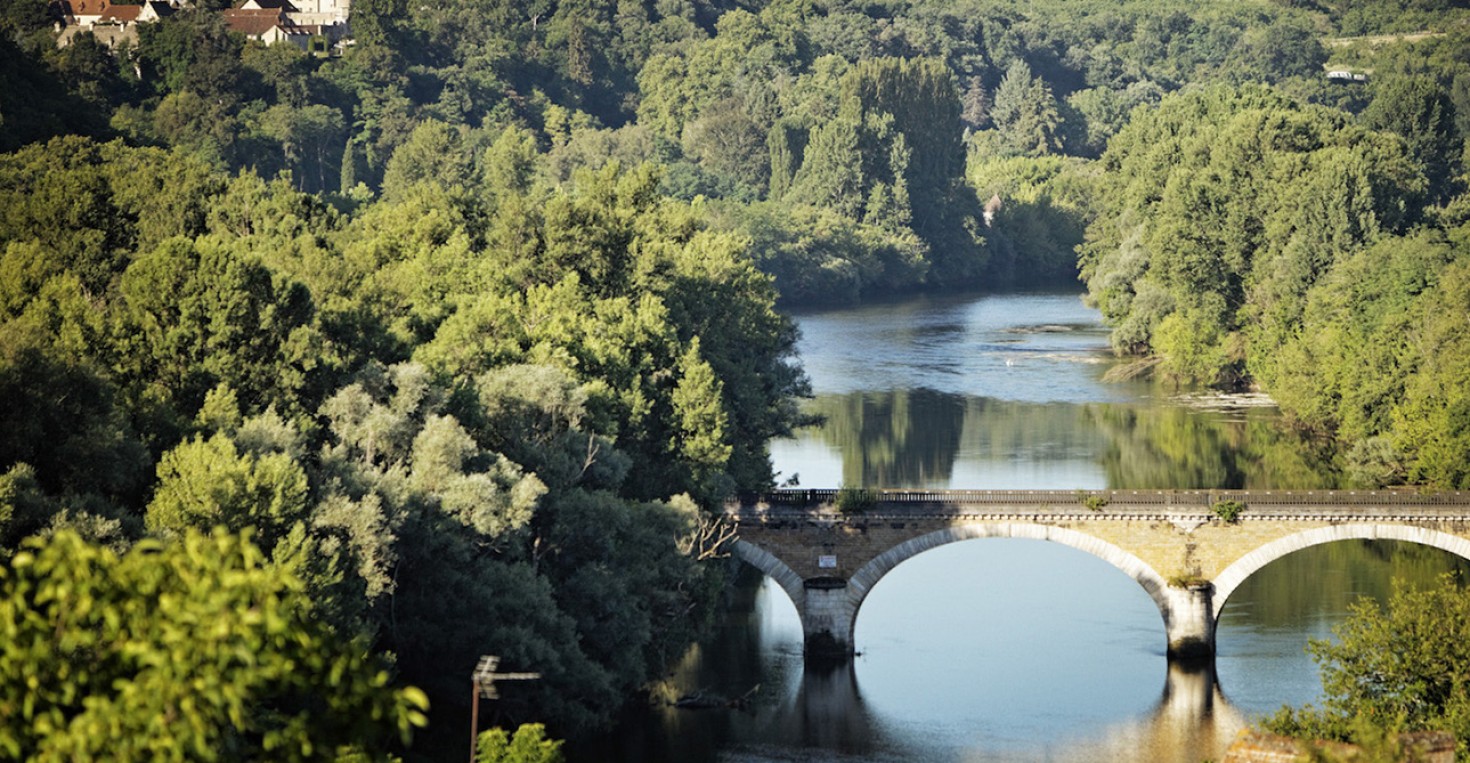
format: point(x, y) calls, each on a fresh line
point(1188, 549)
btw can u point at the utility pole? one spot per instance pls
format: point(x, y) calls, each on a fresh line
point(483, 680)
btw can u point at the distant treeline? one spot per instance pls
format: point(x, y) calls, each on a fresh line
point(833, 134)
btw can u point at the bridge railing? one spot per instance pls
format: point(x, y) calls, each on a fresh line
point(796, 497)
point(1201, 499)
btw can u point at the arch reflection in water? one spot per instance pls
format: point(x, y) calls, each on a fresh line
point(828, 719)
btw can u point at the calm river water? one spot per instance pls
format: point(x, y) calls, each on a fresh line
point(1008, 649)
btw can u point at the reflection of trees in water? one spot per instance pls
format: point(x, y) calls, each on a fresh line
point(1165, 447)
point(912, 438)
point(1322, 580)
point(732, 664)
point(1004, 430)
point(795, 704)
point(905, 438)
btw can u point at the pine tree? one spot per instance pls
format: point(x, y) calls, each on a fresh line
point(1026, 113)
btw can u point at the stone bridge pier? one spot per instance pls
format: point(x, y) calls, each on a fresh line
point(1188, 550)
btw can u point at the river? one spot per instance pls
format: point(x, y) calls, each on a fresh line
point(1013, 650)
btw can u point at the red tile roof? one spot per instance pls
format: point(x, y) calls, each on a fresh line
point(121, 14)
point(85, 7)
point(252, 23)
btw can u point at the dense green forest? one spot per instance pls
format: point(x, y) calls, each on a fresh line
point(459, 335)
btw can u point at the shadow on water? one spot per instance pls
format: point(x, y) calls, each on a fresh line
point(756, 650)
point(826, 719)
point(798, 710)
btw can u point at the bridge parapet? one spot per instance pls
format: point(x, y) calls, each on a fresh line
point(826, 516)
point(1051, 500)
point(1190, 507)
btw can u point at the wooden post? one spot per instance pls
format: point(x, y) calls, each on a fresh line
point(475, 718)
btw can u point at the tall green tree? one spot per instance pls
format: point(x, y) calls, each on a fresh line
point(206, 483)
point(194, 650)
point(1025, 113)
point(745, 56)
point(1418, 108)
point(831, 175)
point(893, 158)
point(1430, 420)
point(311, 139)
point(205, 312)
point(192, 51)
point(786, 143)
point(433, 151)
point(1290, 47)
point(730, 143)
point(65, 420)
point(912, 110)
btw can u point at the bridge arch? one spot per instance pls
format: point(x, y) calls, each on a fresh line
point(863, 580)
point(776, 569)
point(1231, 577)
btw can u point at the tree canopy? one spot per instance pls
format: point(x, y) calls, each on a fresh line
point(479, 313)
point(196, 650)
point(1399, 667)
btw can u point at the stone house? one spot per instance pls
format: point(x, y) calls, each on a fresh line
point(270, 21)
point(306, 12)
point(89, 13)
point(275, 21)
point(111, 24)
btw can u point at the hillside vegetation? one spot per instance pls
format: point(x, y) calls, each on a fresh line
point(460, 335)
